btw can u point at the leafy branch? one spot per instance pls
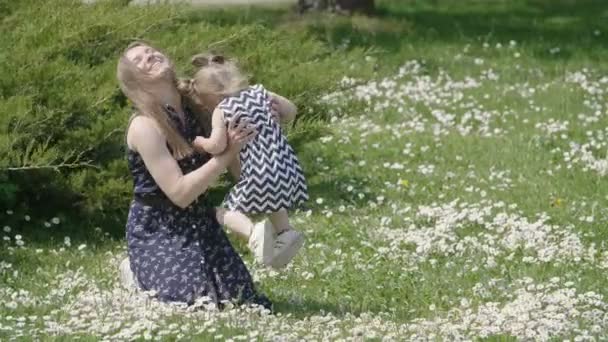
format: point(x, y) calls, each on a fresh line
point(50, 158)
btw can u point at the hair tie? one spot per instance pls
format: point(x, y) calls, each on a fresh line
point(219, 59)
point(200, 61)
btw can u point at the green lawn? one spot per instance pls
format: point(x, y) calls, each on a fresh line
point(456, 161)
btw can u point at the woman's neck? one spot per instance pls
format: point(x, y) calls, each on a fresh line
point(168, 95)
point(173, 99)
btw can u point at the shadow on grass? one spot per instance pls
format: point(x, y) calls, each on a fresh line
point(567, 24)
point(556, 21)
point(309, 307)
point(570, 25)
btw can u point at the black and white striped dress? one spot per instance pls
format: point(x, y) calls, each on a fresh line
point(271, 176)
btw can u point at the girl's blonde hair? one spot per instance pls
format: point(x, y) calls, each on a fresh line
point(216, 75)
point(138, 87)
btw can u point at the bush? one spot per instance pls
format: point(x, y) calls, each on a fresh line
point(63, 116)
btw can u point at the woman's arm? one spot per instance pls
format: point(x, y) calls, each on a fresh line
point(217, 141)
point(235, 168)
point(144, 137)
point(286, 109)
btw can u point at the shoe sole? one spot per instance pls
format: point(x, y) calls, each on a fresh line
point(289, 252)
point(266, 246)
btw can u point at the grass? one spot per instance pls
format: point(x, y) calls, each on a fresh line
point(389, 252)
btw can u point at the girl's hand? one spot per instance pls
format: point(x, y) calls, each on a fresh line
point(199, 144)
point(274, 109)
point(282, 109)
point(239, 135)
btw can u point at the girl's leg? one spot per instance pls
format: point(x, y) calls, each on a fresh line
point(280, 221)
point(235, 221)
point(288, 241)
point(259, 236)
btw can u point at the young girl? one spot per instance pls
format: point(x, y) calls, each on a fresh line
point(270, 179)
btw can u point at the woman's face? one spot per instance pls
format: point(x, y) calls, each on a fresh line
point(148, 60)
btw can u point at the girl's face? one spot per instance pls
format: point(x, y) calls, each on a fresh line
point(210, 101)
point(149, 60)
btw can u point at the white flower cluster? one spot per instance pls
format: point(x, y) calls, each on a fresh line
point(535, 312)
point(500, 234)
point(449, 102)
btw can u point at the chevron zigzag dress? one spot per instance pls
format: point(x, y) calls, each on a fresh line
point(271, 177)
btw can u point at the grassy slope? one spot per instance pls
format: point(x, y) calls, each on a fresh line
point(362, 278)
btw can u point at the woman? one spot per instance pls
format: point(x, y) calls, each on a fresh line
point(175, 244)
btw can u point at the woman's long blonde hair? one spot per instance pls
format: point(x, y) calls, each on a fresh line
point(216, 75)
point(138, 88)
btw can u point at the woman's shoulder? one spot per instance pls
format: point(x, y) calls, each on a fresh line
point(142, 128)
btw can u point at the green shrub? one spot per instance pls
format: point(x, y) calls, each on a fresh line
point(62, 116)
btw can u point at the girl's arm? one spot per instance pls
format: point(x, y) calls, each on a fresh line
point(217, 141)
point(286, 109)
point(144, 137)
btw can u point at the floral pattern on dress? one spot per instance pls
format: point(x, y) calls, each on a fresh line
point(182, 253)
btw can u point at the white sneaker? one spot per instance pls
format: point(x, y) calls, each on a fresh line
point(261, 243)
point(127, 278)
point(286, 246)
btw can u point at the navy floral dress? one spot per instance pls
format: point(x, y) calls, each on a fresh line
point(183, 254)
